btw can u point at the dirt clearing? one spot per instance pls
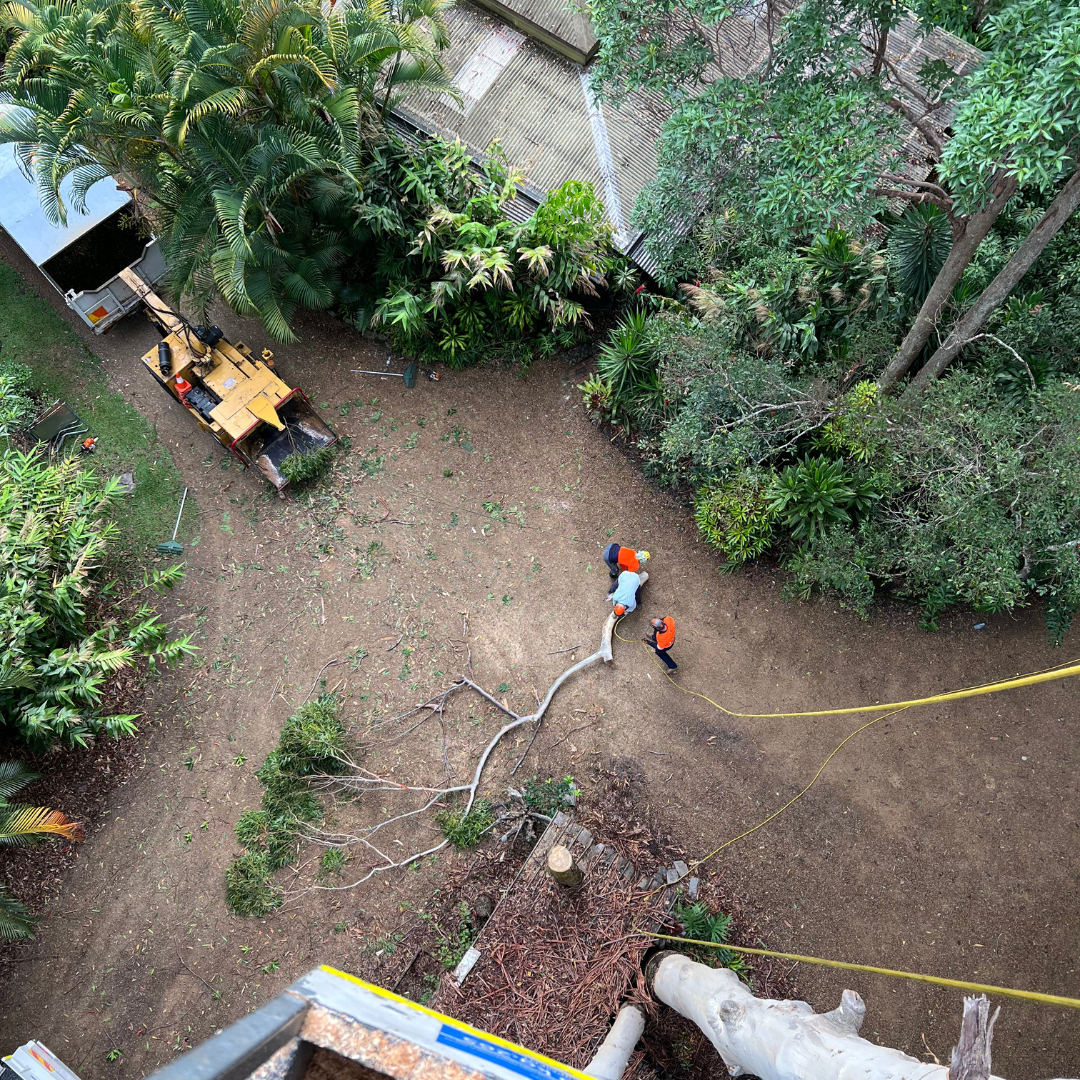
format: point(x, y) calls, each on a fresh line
point(941, 840)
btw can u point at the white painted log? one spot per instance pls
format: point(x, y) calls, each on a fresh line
point(610, 1060)
point(782, 1040)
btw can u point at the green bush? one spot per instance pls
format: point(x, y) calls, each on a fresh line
point(815, 494)
point(700, 924)
point(735, 516)
point(451, 276)
point(312, 742)
point(59, 648)
point(626, 359)
point(465, 830)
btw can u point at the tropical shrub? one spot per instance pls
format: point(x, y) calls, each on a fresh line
point(58, 648)
point(312, 742)
point(16, 922)
point(626, 359)
point(448, 274)
point(21, 825)
point(919, 243)
point(735, 516)
point(816, 494)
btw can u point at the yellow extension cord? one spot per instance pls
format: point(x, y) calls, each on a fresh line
point(958, 984)
point(890, 709)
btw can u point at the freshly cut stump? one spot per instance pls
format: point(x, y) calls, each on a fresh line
point(563, 869)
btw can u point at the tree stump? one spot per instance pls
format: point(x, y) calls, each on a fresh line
point(561, 866)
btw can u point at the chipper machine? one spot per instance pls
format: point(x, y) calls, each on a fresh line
point(231, 394)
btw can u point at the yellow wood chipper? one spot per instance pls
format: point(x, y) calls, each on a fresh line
point(233, 395)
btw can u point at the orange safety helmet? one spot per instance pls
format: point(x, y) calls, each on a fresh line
point(619, 609)
point(658, 623)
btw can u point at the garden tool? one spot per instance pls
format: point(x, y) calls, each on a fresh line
point(409, 375)
point(171, 548)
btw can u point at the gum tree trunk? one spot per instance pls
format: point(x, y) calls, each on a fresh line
point(966, 240)
point(997, 292)
point(787, 1040)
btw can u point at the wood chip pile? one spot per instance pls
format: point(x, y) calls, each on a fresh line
point(555, 963)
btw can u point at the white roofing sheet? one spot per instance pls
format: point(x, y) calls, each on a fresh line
point(23, 218)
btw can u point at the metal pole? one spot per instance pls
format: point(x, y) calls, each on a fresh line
point(183, 499)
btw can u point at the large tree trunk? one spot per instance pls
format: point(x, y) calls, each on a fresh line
point(997, 292)
point(787, 1040)
point(966, 242)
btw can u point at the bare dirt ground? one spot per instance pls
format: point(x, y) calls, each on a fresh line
point(941, 840)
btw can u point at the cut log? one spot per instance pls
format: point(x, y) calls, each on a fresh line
point(563, 869)
point(610, 1060)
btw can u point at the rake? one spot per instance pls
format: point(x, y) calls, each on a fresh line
point(170, 548)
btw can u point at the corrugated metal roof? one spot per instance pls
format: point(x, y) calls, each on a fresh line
point(562, 25)
point(534, 100)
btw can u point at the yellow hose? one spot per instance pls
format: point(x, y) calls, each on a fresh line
point(958, 984)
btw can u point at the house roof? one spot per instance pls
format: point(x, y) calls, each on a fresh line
point(522, 70)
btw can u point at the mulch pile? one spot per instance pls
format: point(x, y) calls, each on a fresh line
point(556, 964)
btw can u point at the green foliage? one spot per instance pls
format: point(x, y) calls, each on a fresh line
point(312, 743)
point(245, 125)
point(59, 650)
point(919, 242)
point(450, 275)
point(1019, 109)
point(17, 408)
point(816, 494)
point(701, 925)
point(332, 862)
point(465, 830)
point(451, 947)
point(735, 516)
point(39, 338)
point(551, 796)
point(303, 468)
point(16, 923)
point(626, 360)
point(248, 890)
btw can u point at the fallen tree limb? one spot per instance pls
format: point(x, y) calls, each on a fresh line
point(362, 779)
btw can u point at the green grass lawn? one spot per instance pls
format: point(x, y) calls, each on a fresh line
point(33, 334)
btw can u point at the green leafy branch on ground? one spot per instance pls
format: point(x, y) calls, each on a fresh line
point(312, 742)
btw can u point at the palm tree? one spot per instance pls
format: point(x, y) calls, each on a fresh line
point(243, 124)
point(22, 825)
point(19, 826)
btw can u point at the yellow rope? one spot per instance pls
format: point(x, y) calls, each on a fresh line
point(1006, 991)
point(891, 709)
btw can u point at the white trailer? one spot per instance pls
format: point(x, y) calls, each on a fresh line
point(83, 259)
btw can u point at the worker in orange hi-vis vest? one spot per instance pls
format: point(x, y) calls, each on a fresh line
point(620, 558)
point(663, 637)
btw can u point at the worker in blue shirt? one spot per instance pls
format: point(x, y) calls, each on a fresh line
point(627, 594)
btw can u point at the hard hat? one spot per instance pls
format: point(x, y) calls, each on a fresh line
point(619, 609)
point(644, 556)
point(658, 623)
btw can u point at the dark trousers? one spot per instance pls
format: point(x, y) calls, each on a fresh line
point(611, 557)
point(663, 654)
